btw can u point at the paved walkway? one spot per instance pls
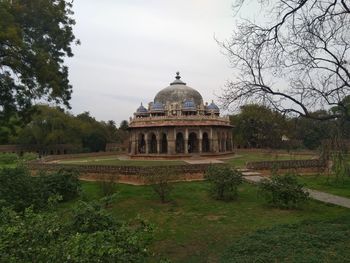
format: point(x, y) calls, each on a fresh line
point(201, 161)
point(314, 194)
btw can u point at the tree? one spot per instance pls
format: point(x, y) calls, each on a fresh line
point(297, 61)
point(224, 182)
point(258, 126)
point(161, 179)
point(35, 38)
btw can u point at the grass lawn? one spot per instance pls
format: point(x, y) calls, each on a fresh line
point(241, 159)
point(327, 184)
point(195, 228)
point(112, 160)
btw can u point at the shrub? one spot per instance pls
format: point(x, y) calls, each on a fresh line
point(29, 156)
point(108, 185)
point(64, 182)
point(224, 182)
point(45, 237)
point(20, 190)
point(160, 180)
point(283, 191)
point(8, 158)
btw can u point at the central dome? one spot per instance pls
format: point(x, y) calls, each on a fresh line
point(178, 92)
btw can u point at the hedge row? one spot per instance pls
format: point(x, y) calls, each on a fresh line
point(286, 164)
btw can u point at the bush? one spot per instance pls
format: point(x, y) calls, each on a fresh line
point(160, 180)
point(8, 158)
point(20, 190)
point(45, 237)
point(283, 191)
point(29, 156)
point(108, 185)
point(224, 182)
point(64, 182)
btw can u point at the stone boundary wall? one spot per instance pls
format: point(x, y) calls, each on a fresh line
point(120, 170)
point(125, 174)
point(77, 155)
point(286, 164)
point(273, 151)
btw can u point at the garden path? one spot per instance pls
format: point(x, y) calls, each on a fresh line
point(254, 177)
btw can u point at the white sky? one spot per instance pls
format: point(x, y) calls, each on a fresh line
point(131, 49)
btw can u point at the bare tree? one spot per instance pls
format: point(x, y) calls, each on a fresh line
point(297, 63)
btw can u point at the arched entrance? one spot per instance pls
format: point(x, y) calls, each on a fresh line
point(141, 145)
point(153, 143)
point(205, 143)
point(164, 144)
point(180, 143)
point(192, 143)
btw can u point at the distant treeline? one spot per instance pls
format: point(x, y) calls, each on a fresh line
point(257, 126)
point(55, 126)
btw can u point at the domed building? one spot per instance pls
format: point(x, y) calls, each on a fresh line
point(178, 124)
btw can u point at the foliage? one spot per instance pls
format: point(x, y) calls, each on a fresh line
point(160, 179)
point(8, 158)
point(108, 185)
point(283, 191)
point(295, 60)
point(64, 182)
point(53, 125)
point(340, 167)
point(310, 241)
point(20, 190)
point(224, 182)
point(257, 126)
point(89, 234)
point(35, 38)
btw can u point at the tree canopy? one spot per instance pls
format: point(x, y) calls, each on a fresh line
point(35, 38)
point(297, 61)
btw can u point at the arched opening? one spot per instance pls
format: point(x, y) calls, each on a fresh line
point(164, 144)
point(141, 145)
point(192, 143)
point(180, 143)
point(153, 144)
point(205, 143)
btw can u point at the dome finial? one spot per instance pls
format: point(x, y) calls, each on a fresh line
point(178, 75)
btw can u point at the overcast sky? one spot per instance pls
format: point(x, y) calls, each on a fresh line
point(131, 49)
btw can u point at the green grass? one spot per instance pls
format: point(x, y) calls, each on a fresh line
point(327, 184)
point(306, 242)
point(195, 228)
point(241, 159)
point(110, 160)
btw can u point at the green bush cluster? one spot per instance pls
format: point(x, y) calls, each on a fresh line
point(20, 190)
point(283, 191)
point(224, 182)
point(89, 233)
point(8, 158)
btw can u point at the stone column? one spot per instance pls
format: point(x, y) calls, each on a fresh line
point(186, 141)
point(200, 141)
point(146, 143)
point(171, 137)
point(133, 144)
point(211, 141)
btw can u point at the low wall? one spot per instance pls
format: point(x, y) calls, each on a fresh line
point(125, 174)
point(286, 164)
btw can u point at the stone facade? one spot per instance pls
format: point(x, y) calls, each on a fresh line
point(178, 123)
